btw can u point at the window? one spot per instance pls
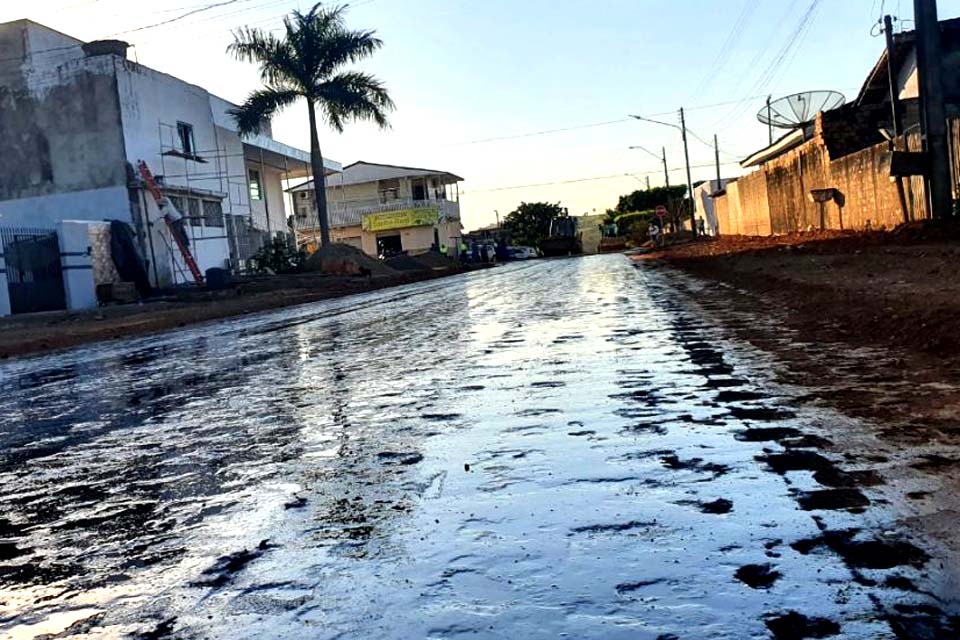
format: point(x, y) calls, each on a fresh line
point(212, 213)
point(389, 190)
point(193, 211)
point(185, 133)
point(177, 202)
point(256, 191)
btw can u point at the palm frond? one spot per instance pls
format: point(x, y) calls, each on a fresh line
point(255, 113)
point(277, 59)
point(342, 46)
point(307, 32)
point(304, 61)
point(353, 95)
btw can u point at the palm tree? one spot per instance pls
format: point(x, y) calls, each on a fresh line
point(306, 62)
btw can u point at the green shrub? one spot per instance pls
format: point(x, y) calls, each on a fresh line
point(278, 257)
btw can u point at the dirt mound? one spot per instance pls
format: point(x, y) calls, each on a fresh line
point(342, 259)
point(436, 261)
point(405, 263)
point(422, 262)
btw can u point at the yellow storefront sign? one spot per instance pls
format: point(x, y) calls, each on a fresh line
point(399, 219)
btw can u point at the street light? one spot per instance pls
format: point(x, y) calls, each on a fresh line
point(666, 174)
point(686, 156)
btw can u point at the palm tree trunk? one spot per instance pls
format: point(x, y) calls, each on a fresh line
point(319, 176)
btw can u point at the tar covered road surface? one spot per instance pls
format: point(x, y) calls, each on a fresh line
point(558, 449)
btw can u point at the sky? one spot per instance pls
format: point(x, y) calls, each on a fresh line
point(529, 100)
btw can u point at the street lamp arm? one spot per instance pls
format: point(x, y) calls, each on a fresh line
point(641, 148)
point(666, 124)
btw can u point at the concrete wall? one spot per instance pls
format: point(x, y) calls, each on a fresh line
point(706, 207)
point(366, 194)
point(775, 199)
point(60, 130)
point(151, 104)
point(752, 206)
point(45, 211)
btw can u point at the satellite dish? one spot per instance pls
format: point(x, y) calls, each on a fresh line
point(799, 109)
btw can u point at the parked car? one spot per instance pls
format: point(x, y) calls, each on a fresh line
point(522, 253)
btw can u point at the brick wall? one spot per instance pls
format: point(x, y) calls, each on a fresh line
point(775, 199)
point(722, 208)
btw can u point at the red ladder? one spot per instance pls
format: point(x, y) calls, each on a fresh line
point(163, 203)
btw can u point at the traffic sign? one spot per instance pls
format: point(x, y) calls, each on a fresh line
point(661, 211)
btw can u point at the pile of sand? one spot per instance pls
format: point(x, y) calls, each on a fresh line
point(436, 261)
point(422, 262)
point(343, 259)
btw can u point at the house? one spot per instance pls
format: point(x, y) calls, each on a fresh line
point(384, 209)
point(76, 117)
point(841, 171)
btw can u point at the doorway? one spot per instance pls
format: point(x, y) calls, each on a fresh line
point(388, 246)
point(419, 191)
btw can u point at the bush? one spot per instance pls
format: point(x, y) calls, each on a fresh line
point(278, 257)
point(629, 223)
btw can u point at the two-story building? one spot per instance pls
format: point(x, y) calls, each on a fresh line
point(384, 209)
point(75, 119)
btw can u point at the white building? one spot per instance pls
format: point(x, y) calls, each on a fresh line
point(384, 209)
point(703, 196)
point(75, 118)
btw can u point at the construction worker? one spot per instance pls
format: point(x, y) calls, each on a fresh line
point(443, 249)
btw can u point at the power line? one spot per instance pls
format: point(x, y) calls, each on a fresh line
point(182, 16)
point(756, 61)
point(590, 179)
point(268, 3)
point(539, 133)
point(590, 125)
point(777, 64)
point(720, 61)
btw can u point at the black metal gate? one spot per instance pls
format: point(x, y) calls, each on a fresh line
point(34, 274)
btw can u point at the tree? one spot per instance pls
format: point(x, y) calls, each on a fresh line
point(643, 200)
point(306, 62)
point(673, 198)
point(529, 224)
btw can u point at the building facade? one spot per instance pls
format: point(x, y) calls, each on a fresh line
point(77, 117)
point(384, 209)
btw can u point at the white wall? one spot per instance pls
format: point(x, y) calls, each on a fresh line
point(46, 211)
point(151, 104)
point(271, 187)
point(705, 204)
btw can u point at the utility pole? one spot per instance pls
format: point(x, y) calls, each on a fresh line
point(686, 156)
point(934, 120)
point(666, 174)
point(891, 76)
point(716, 155)
point(769, 121)
point(648, 182)
point(895, 111)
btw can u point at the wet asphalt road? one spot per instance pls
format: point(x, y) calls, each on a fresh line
point(560, 449)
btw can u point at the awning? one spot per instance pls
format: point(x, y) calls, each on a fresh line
point(295, 163)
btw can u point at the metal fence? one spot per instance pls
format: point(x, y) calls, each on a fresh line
point(245, 239)
point(33, 269)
